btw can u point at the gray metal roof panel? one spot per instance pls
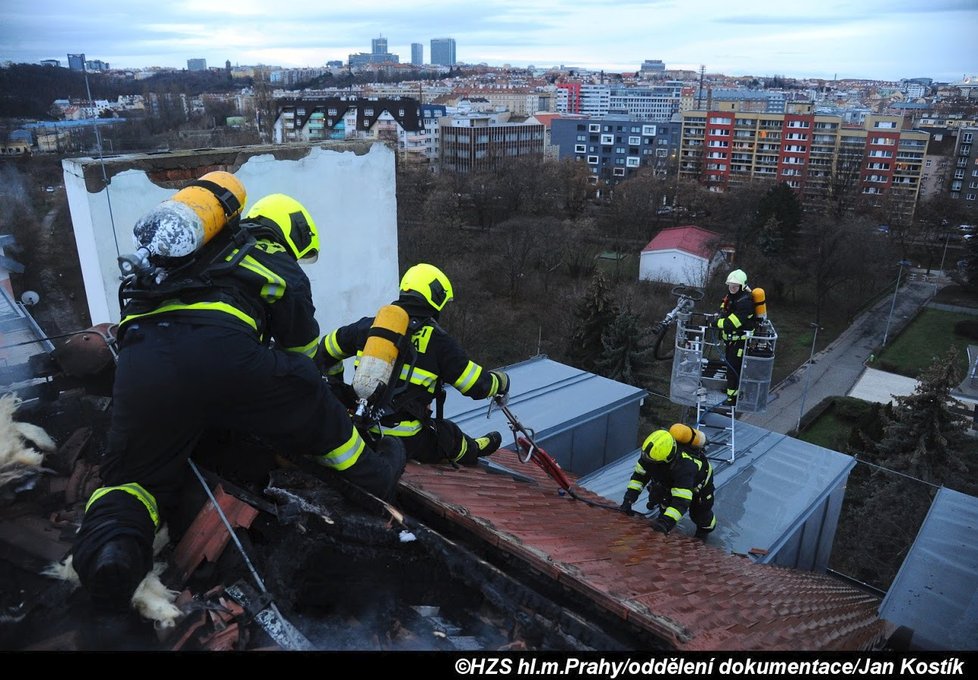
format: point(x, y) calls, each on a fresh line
point(771, 488)
point(545, 396)
point(940, 574)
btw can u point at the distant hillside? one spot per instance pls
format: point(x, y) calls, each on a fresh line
point(27, 90)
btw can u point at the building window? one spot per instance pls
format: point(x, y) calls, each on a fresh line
point(618, 172)
point(969, 197)
point(582, 138)
point(580, 148)
point(607, 139)
point(593, 127)
point(592, 160)
point(632, 161)
point(634, 141)
point(887, 124)
point(662, 153)
point(368, 112)
point(648, 130)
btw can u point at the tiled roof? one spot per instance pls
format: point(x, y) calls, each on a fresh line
point(690, 239)
point(688, 594)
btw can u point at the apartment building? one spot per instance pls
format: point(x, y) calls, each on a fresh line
point(653, 103)
point(614, 147)
point(520, 101)
point(964, 178)
point(808, 151)
point(478, 141)
point(392, 120)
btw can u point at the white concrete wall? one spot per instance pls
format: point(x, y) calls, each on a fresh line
point(673, 266)
point(348, 188)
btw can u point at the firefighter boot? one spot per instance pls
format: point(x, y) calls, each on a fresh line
point(488, 443)
point(117, 571)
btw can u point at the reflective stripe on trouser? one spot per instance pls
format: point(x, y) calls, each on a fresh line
point(733, 358)
point(346, 454)
point(135, 490)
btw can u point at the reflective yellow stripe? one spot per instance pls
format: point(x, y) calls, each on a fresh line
point(332, 347)
point(682, 493)
point(405, 428)
point(419, 376)
point(639, 469)
point(335, 370)
point(465, 447)
point(468, 377)
point(141, 495)
point(309, 350)
point(735, 320)
point(345, 455)
point(636, 485)
point(673, 513)
point(177, 306)
point(271, 291)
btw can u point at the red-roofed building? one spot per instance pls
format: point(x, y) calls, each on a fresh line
point(685, 255)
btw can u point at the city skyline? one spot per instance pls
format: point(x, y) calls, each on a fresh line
point(875, 40)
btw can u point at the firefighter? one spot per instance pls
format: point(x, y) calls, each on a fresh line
point(202, 359)
point(736, 318)
point(436, 358)
point(679, 478)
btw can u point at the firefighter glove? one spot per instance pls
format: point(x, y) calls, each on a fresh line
point(658, 495)
point(631, 495)
point(661, 525)
point(502, 387)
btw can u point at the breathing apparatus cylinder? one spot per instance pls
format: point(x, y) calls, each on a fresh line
point(760, 303)
point(690, 436)
point(376, 363)
point(182, 224)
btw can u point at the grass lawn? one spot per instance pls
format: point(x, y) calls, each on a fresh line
point(927, 337)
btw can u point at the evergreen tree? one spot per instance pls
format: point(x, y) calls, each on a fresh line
point(778, 219)
point(628, 354)
point(595, 312)
point(922, 437)
point(923, 441)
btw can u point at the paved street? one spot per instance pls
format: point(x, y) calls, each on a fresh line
point(835, 369)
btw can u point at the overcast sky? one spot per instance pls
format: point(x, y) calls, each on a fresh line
point(883, 39)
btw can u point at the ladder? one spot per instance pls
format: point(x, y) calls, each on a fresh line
point(699, 375)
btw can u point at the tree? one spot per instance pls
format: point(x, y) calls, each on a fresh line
point(595, 312)
point(922, 446)
point(778, 219)
point(831, 263)
point(628, 355)
point(515, 247)
point(922, 436)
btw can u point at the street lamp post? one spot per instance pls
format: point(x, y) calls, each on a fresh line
point(889, 317)
point(808, 376)
point(947, 238)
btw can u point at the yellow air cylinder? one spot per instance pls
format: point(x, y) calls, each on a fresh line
point(181, 225)
point(689, 436)
point(380, 351)
point(760, 303)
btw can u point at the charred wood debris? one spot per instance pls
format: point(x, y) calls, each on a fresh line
point(313, 563)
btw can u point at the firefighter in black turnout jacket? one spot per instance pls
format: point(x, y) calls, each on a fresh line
point(735, 319)
point(435, 359)
point(199, 358)
point(679, 478)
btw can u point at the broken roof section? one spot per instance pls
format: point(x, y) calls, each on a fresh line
point(940, 576)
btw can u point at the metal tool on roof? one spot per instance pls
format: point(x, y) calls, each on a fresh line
point(527, 449)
